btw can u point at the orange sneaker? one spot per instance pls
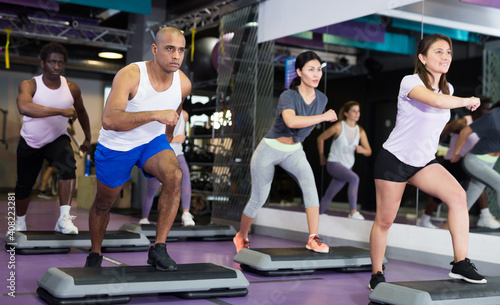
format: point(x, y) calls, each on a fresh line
point(241, 243)
point(316, 244)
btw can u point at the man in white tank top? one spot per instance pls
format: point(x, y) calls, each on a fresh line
point(138, 122)
point(47, 102)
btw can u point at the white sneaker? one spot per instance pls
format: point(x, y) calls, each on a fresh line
point(488, 221)
point(187, 219)
point(20, 226)
point(65, 225)
point(144, 221)
point(356, 215)
point(426, 224)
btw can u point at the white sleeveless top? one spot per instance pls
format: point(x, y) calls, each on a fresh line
point(39, 132)
point(343, 147)
point(179, 129)
point(146, 99)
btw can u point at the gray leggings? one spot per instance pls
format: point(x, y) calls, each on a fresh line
point(482, 173)
point(264, 159)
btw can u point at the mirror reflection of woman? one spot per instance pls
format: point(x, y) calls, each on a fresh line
point(408, 156)
point(480, 161)
point(348, 139)
point(299, 109)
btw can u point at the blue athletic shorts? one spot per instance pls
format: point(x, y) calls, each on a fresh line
point(113, 167)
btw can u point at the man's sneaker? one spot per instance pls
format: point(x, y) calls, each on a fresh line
point(356, 215)
point(20, 226)
point(65, 225)
point(376, 279)
point(159, 258)
point(94, 260)
point(465, 270)
point(187, 219)
point(45, 194)
point(488, 221)
point(241, 243)
point(144, 221)
point(425, 224)
point(316, 244)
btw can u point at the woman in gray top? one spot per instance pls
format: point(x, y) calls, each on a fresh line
point(479, 162)
point(299, 110)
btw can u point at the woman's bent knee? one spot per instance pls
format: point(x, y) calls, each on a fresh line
point(458, 197)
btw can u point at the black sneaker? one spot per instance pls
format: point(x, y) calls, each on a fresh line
point(45, 194)
point(159, 258)
point(376, 279)
point(94, 260)
point(465, 270)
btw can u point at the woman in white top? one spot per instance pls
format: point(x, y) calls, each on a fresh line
point(408, 156)
point(347, 137)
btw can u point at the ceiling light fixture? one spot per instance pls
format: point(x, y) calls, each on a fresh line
point(110, 55)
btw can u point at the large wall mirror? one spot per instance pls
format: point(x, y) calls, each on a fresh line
point(366, 57)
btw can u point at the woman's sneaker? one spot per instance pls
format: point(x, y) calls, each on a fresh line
point(465, 270)
point(315, 243)
point(356, 215)
point(376, 279)
point(159, 258)
point(144, 221)
point(44, 194)
point(240, 243)
point(187, 219)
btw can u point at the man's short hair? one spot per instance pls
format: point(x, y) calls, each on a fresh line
point(53, 47)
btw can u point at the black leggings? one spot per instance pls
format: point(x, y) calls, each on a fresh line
point(59, 153)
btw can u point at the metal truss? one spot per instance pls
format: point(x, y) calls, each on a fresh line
point(66, 32)
point(203, 18)
point(198, 20)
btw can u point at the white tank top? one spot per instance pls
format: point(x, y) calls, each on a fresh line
point(39, 132)
point(471, 140)
point(146, 99)
point(179, 129)
point(343, 147)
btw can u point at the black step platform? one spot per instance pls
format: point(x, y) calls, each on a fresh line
point(485, 231)
point(279, 261)
point(456, 292)
point(112, 285)
point(51, 242)
point(203, 232)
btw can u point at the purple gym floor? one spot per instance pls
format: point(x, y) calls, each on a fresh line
point(322, 287)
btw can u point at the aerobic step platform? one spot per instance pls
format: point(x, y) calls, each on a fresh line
point(203, 232)
point(113, 285)
point(442, 292)
point(46, 242)
point(279, 261)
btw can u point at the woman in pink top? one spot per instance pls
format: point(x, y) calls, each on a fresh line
point(408, 156)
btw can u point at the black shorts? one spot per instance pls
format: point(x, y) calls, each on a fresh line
point(59, 153)
point(390, 168)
